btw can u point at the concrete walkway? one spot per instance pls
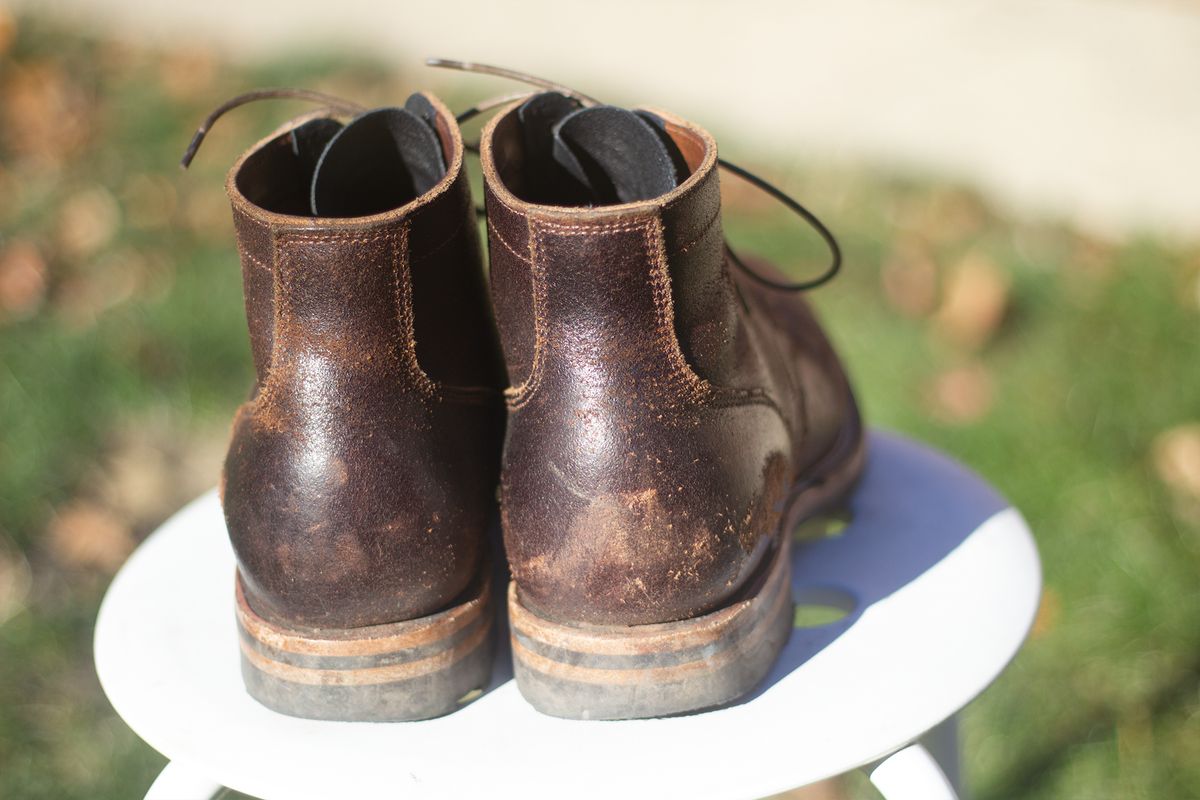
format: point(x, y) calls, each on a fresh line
point(1083, 109)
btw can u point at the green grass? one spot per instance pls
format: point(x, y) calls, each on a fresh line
point(1096, 356)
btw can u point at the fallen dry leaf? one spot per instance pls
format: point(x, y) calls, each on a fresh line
point(974, 302)
point(81, 299)
point(1048, 612)
point(1177, 459)
point(961, 395)
point(137, 477)
point(10, 198)
point(959, 215)
point(8, 31)
point(45, 114)
point(942, 216)
point(22, 280)
point(85, 535)
point(909, 277)
point(87, 221)
point(15, 580)
point(151, 467)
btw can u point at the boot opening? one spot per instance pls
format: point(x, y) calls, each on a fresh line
point(555, 151)
point(377, 162)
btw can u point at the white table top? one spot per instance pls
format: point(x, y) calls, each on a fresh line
point(945, 580)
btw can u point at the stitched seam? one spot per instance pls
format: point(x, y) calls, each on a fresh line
point(390, 233)
point(492, 229)
point(585, 229)
point(402, 297)
point(258, 262)
point(406, 346)
point(339, 238)
point(517, 396)
point(664, 304)
point(698, 388)
point(265, 399)
point(664, 312)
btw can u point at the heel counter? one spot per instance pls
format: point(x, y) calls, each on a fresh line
point(342, 533)
point(639, 515)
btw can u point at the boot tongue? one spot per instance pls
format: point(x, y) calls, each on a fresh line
point(381, 160)
point(616, 154)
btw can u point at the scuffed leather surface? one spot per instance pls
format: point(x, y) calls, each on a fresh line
point(657, 424)
point(361, 473)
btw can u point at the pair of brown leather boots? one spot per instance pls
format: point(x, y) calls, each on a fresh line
point(665, 423)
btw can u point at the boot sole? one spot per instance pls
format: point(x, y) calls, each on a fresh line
point(653, 670)
point(657, 670)
point(410, 670)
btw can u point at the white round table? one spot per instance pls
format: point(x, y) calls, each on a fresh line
point(940, 576)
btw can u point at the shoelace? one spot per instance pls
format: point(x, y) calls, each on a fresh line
point(835, 250)
point(330, 102)
point(339, 105)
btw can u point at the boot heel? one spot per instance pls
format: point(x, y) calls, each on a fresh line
point(410, 670)
point(615, 672)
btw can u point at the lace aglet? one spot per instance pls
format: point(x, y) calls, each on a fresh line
point(192, 148)
point(447, 63)
point(511, 74)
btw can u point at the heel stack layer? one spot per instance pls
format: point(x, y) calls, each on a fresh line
point(614, 672)
point(414, 669)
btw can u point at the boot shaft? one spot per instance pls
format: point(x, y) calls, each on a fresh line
point(632, 286)
point(374, 347)
point(401, 290)
point(645, 459)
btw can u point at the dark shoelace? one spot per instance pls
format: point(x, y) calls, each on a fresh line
point(329, 101)
point(339, 105)
point(835, 251)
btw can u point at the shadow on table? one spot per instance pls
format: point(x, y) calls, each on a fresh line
point(913, 507)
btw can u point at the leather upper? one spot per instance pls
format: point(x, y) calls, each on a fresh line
point(661, 411)
point(361, 471)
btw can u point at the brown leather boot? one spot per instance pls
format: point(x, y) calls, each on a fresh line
point(669, 421)
point(361, 472)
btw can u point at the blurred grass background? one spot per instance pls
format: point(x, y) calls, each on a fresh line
point(1061, 366)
